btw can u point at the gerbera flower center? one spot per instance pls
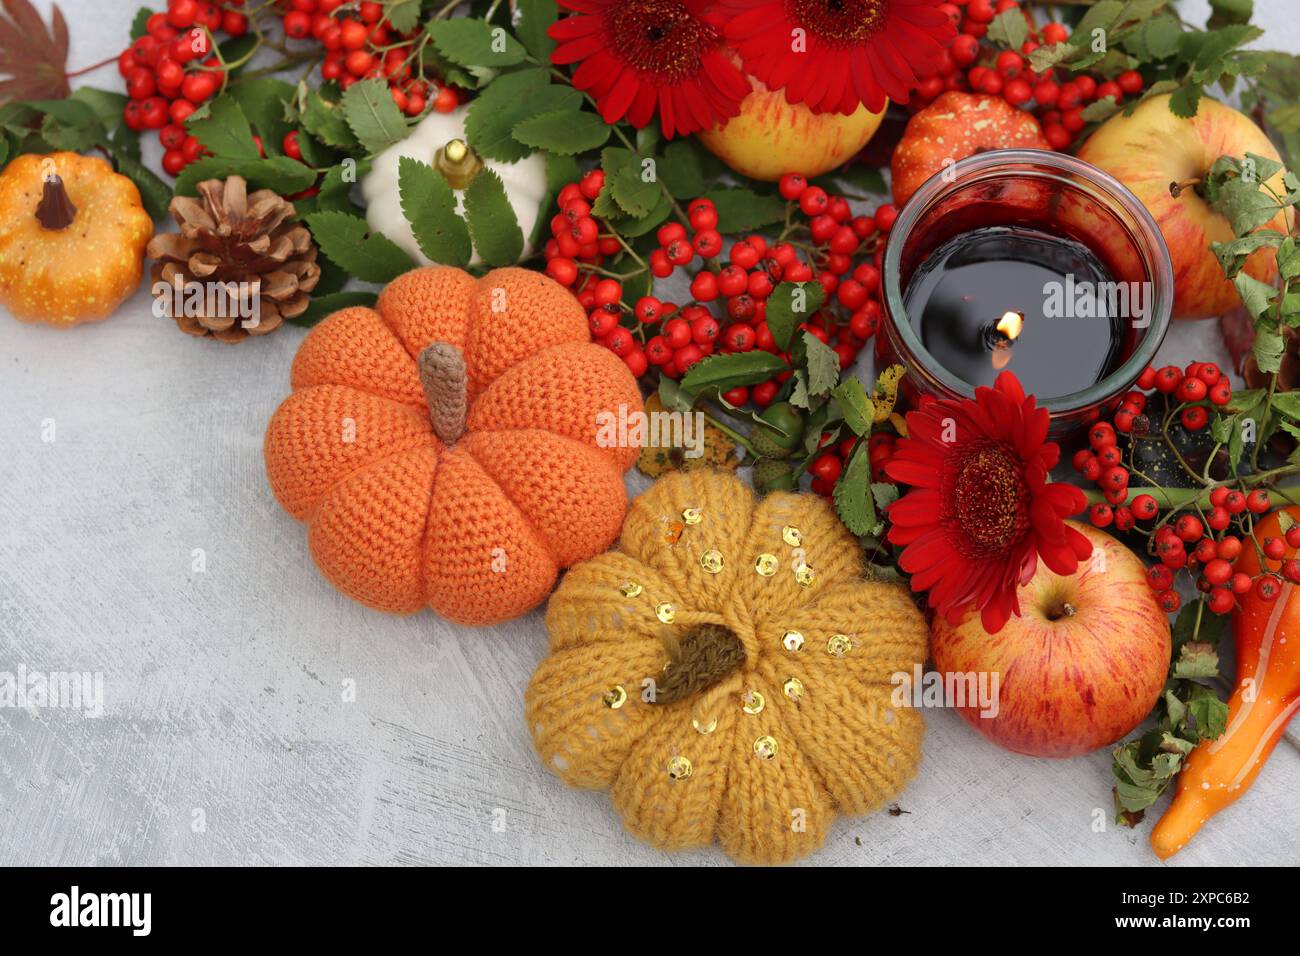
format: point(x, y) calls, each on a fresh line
point(838, 22)
point(989, 497)
point(660, 37)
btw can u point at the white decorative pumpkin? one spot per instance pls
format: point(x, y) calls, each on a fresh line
point(524, 181)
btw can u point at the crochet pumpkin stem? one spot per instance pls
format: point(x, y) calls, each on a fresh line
point(444, 379)
point(704, 655)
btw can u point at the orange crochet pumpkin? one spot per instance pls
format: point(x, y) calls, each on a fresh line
point(442, 447)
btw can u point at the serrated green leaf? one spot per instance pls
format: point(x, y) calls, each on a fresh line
point(732, 369)
point(1009, 29)
point(1257, 296)
point(323, 306)
point(823, 365)
point(681, 170)
point(155, 194)
point(853, 501)
point(279, 173)
point(856, 406)
point(225, 130)
point(535, 18)
point(743, 210)
point(624, 181)
point(1100, 16)
point(1185, 100)
point(140, 23)
point(566, 131)
point(507, 101)
point(404, 15)
point(470, 42)
point(372, 115)
point(631, 228)
point(1196, 659)
point(492, 220)
point(1046, 57)
point(263, 100)
point(325, 121)
point(1100, 110)
point(347, 241)
point(429, 206)
point(789, 305)
point(1211, 716)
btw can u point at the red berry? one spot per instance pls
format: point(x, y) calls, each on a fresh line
point(828, 467)
point(1130, 81)
point(1191, 389)
point(965, 50)
point(1124, 519)
point(1217, 571)
point(702, 214)
point(1110, 456)
point(602, 322)
point(885, 217)
point(1147, 380)
point(173, 161)
point(1291, 570)
point(658, 351)
point(1160, 577)
point(677, 332)
point(141, 84)
point(764, 393)
point(1189, 528)
point(813, 201)
point(1169, 601)
point(1168, 379)
point(1145, 507)
point(1234, 501)
point(1101, 435)
point(1194, 417)
point(736, 396)
point(563, 270)
point(1101, 515)
point(1241, 583)
point(1220, 601)
point(1204, 550)
point(172, 136)
point(792, 186)
point(1267, 588)
point(738, 337)
point(1257, 502)
point(1229, 547)
point(1218, 519)
point(704, 287)
point(1115, 478)
point(1274, 548)
point(1017, 92)
point(297, 25)
point(704, 330)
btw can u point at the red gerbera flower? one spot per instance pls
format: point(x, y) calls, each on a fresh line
point(641, 55)
point(981, 511)
point(836, 54)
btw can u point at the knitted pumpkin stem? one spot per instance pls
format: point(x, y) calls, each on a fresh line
point(704, 655)
point(445, 381)
point(55, 210)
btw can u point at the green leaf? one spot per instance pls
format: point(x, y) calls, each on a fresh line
point(154, 193)
point(565, 132)
point(323, 306)
point(790, 304)
point(404, 15)
point(471, 42)
point(1288, 258)
point(1100, 16)
point(853, 500)
point(732, 369)
point(639, 226)
point(1210, 714)
point(429, 206)
point(507, 101)
point(858, 409)
point(1009, 29)
point(1100, 110)
point(1186, 100)
point(1257, 296)
point(372, 115)
point(1225, 12)
point(743, 210)
point(263, 100)
point(535, 17)
point(225, 129)
point(279, 173)
point(140, 23)
point(492, 220)
point(325, 121)
point(1196, 659)
point(823, 365)
point(625, 181)
point(347, 242)
point(1046, 57)
point(681, 170)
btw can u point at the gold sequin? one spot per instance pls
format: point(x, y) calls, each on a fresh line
point(615, 697)
point(630, 589)
point(692, 516)
point(839, 645)
point(791, 536)
point(711, 561)
point(679, 768)
point(752, 702)
point(804, 575)
point(704, 726)
point(793, 688)
point(766, 565)
point(665, 612)
point(674, 532)
point(765, 747)
point(793, 641)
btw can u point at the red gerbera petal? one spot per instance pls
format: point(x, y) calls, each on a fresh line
point(981, 513)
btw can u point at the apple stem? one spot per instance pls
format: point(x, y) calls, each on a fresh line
point(1176, 189)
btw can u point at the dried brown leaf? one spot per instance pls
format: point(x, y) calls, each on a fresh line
point(33, 58)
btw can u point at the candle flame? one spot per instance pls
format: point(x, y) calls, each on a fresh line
point(1010, 324)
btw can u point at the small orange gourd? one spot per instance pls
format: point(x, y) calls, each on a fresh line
point(72, 238)
point(444, 449)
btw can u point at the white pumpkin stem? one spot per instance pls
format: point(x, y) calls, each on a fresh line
point(445, 382)
point(458, 163)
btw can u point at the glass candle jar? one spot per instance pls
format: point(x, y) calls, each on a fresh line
point(1032, 261)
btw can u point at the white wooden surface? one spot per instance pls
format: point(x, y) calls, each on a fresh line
point(224, 689)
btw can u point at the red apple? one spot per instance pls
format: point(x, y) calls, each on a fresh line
point(772, 137)
point(1080, 668)
point(1153, 148)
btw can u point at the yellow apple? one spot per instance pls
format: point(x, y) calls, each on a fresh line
point(771, 137)
point(1079, 668)
point(1153, 148)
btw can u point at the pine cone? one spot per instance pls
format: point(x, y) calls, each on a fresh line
point(253, 261)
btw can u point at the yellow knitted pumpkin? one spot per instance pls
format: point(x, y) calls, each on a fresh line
point(725, 672)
